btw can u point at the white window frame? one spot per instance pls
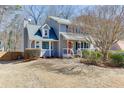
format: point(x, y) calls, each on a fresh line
point(43, 32)
point(44, 29)
point(37, 44)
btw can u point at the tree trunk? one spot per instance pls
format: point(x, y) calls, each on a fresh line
point(105, 56)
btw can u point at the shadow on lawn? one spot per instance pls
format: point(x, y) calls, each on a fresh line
point(12, 62)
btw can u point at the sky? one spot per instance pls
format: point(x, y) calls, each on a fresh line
point(23, 12)
point(49, 10)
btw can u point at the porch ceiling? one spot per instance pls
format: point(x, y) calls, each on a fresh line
point(73, 36)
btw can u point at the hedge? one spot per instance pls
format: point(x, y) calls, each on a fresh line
point(32, 53)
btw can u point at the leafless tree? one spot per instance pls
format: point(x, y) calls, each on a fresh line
point(64, 11)
point(35, 13)
point(6, 14)
point(104, 25)
point(14, 33)
point(5, 11)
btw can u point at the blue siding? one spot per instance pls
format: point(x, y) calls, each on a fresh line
point(54, 25)
point(52, 34)
point(38, 33)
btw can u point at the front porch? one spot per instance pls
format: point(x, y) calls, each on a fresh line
point(76, 49)
point(48, 47)
point(73, 44)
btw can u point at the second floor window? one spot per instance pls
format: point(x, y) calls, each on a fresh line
point(45, 32)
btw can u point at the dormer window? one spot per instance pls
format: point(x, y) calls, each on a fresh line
point(45, 31)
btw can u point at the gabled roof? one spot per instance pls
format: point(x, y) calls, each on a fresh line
point(32, 30)
point(45, 26)
point(73, 36)
point(60, 20)
point(34, 33)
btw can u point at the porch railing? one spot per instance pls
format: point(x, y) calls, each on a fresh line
point(67, 52)
point(78, 52)
point(48, 52)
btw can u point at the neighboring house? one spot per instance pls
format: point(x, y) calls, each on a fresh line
point(54, 38)
point(118, 46)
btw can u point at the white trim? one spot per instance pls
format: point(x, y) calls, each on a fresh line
point(45, 25)
point(41, 54)
point(44, 29)
point(44, 39)
point(34, 43)
point(50, 48)
point(43, 33)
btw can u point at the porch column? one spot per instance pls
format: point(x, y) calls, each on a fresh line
point(67, 46)
point(50, 48)
point(41, 49)
point(80, 45)
point(79, 42)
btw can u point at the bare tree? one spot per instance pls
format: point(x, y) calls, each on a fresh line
point(7, 13)
point(14, 33)
point(104, 25)
point(35, 13)
point(64, 11)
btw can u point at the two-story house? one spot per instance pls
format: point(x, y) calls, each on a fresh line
point(57, 37)
point(54, 38)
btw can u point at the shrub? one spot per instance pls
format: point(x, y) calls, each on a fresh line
point(91, 55)
point(117, 59)
point(85, 54)
point(32, 53)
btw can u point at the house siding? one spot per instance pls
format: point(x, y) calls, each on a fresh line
point(54, 25)
point(58, 46)
point(62, 45)
point(26, 38)
point(63, 28)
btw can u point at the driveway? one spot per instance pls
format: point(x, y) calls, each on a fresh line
point(45, 73)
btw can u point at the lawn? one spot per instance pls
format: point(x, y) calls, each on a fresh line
point(52, 73)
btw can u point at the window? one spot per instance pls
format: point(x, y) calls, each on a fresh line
point(82, 44)
point(67, 28)
point(37, 44)
point(45, 45)
point(85, 45)
point(45, 32)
